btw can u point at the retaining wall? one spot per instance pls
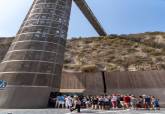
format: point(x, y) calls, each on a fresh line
point(138, 83)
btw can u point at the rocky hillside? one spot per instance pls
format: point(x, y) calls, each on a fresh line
point(132, 52)
point(145, 51)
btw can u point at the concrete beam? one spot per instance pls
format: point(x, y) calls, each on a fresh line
point(90, 16)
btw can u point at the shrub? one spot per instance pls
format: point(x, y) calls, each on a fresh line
point(89, 68)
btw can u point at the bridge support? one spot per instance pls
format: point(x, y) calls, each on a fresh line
point(33, 64)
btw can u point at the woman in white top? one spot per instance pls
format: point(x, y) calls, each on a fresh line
point(68, 102)
point(114, 101)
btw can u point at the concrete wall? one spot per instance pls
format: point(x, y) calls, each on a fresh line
point(139, 79)
point(87, 83)
point(138, 83)
point(24, 97)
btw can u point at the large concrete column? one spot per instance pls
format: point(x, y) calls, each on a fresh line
point(33, 64)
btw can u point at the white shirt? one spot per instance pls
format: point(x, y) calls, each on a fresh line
point(114, 98)
point(69, 101)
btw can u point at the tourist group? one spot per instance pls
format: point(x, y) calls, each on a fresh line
point(106, 102)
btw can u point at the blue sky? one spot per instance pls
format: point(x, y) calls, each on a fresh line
point(116, 16)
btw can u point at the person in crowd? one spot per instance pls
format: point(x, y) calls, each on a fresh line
point(68, 102)
point(94, 101)
point(88, 102)
point(147, 102)
point(101, 103)
point(121, 99)
point(110, 103)
point(118, 101)
point(133, 102)
point(61, 101)
point(77, 105)
point(127, 101)
point(139, 102)
point(114, 101)
point(57, 101)
point(152, 102)
point(156, 104)
point(106, 103)
point(52, 100)
point(83, 101)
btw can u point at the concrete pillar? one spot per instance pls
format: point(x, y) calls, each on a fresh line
point(33, 64)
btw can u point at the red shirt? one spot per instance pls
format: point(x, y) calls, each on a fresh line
point(127, 99)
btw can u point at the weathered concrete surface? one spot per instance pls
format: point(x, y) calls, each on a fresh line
point(137, 83)
point(4, 46)
point(138, 79)
point(24, 96)
point(86, 83)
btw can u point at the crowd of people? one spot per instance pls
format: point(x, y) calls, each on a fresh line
point(114, 101)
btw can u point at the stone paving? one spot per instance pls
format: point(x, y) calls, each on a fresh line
point(83, 111)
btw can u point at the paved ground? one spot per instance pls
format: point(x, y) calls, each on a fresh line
point(57, 111)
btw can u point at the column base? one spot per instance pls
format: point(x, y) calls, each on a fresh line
point(24, 97)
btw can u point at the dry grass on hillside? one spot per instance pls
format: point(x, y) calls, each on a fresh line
point(118, 53)
point(145, 51)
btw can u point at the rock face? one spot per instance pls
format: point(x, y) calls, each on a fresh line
point(134, 52)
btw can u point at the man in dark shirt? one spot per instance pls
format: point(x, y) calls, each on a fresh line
point(147, 102)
